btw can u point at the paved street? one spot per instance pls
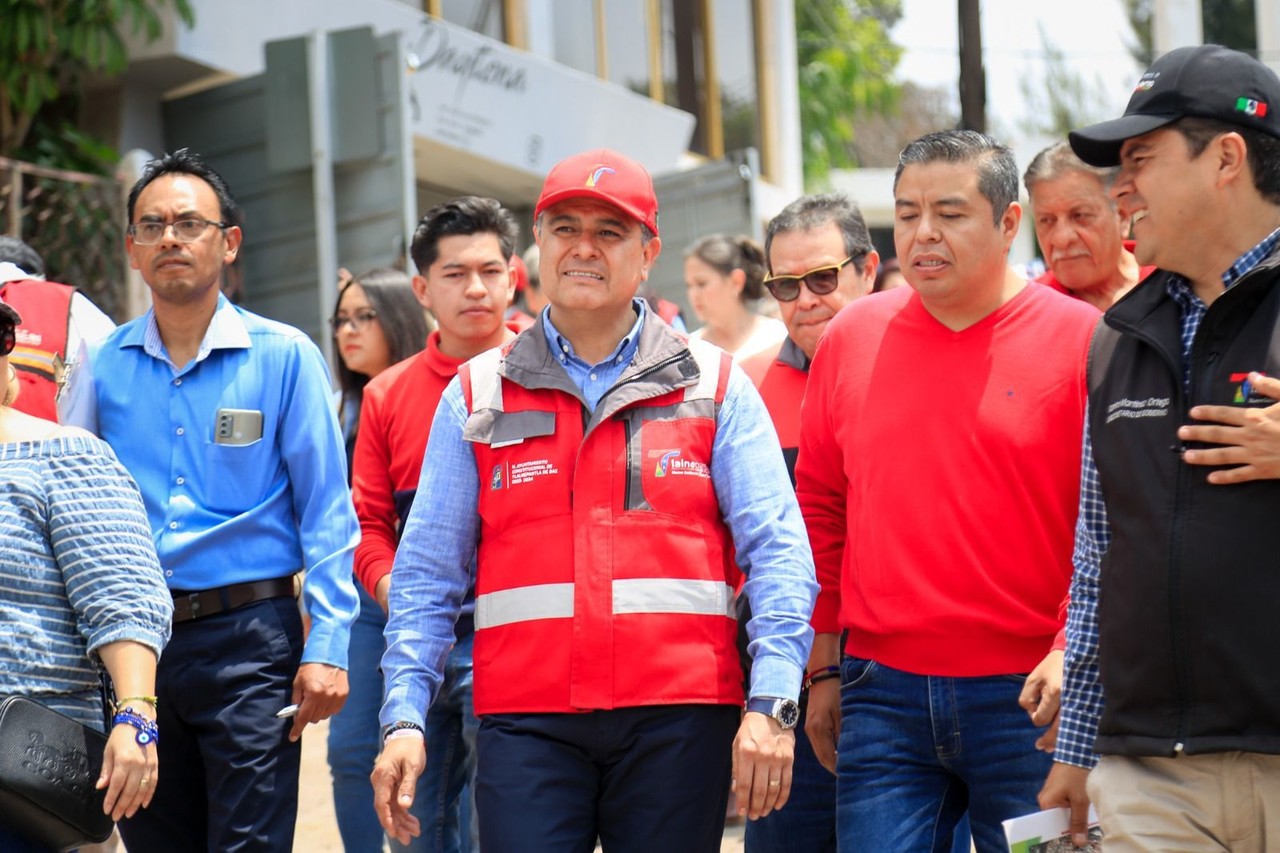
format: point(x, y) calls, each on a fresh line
point(317, 828)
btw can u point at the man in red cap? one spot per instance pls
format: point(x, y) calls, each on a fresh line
point(614, 481)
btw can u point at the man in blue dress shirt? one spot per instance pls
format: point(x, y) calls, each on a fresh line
point(627, 474)
point(223, 418)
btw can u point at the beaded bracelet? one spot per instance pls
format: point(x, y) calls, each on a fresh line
point(820, 674)
point(148, 731)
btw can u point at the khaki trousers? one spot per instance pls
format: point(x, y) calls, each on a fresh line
point(1228, 801)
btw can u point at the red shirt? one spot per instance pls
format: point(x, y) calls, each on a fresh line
point(939, 478)
point(395, 419)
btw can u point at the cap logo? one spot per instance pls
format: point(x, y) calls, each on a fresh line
point(1148, 80)
point(1251, 107)
point(598, 172)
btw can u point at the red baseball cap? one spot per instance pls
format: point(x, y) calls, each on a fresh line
point(604, 175)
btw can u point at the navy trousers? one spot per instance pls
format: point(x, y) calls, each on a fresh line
point(639, 779)
point(228, 773)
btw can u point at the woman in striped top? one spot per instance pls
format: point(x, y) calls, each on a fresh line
point(80, 586)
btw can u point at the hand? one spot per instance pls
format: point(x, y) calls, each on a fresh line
point(1041, 697)
point(395, 778)
point(762, 756)
point(319, 690)
point(822, 721)
point(382, 592)
point(129, 773)
point(1250, 437)
point(1065, 786)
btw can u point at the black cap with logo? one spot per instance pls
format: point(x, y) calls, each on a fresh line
point(1208, 81)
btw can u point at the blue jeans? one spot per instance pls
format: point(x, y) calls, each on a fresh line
point(917, 753)
point(355, 737)
point(450, 824)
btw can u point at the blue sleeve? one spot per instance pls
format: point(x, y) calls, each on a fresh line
point(432, 570)
point(315, 459)
point(1082, 698)
point(759, 505)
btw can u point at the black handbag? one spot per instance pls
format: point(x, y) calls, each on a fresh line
point(49, 764)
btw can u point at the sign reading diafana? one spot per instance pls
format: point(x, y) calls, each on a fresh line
point(521, 110)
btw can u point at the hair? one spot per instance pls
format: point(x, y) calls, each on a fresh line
point(813, 211)
point(1058, 159)
point(997, 168)
point(14, 251)
point(461, 217)
point(184, 162)
point(402, 319)
point(1261, 149)
point(531, 258)
point(724, 254)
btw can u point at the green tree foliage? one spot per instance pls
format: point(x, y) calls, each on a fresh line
point(47, 46)
point(1063, 100)
point(846, 68)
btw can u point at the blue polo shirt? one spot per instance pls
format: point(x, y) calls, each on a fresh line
point(261, 504)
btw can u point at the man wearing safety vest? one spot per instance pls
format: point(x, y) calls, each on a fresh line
point(614, 481)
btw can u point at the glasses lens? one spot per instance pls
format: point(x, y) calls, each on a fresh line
point(189, 229)
point(8, 338)
point(146, 233)
point(784, 289)
point(822, 282)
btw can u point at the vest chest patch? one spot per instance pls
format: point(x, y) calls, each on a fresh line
point(672, 463)
point(1244, 393)
point(1128, 409)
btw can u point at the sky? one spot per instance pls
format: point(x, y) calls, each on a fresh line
point(1091, 33)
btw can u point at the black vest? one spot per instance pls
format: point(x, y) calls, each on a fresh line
point(1189, 610)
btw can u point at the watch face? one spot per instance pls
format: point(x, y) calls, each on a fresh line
point(788, 714)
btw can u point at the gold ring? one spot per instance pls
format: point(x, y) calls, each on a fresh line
point(144, 782)
point(774, 783)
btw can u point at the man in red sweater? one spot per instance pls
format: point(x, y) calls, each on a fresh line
point(938, 474)
point(462, 250)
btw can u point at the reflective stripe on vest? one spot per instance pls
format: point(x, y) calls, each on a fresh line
point(630, 596)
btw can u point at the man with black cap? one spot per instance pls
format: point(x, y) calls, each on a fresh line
point(610, 477)
point(1173, 598)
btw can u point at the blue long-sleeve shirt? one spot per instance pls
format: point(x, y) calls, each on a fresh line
point(261, 505)
point(432, 567)
point(1082, 695)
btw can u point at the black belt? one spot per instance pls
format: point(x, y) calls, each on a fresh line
point(206, 602)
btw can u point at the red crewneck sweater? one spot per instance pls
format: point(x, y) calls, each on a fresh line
point(939, 478)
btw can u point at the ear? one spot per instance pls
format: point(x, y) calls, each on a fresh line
point(1009, 222)
point(738, 278)
point(1233, 158)
point(130, 249)
point(233, 236)
point(511, 285)
point(870, 264)
point(419, 284)
point(651, 252)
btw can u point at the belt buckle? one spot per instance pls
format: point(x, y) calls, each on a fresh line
point(186, 607)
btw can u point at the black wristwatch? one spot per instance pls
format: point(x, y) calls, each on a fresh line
point(785, 711)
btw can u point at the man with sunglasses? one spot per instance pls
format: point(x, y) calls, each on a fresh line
point(938, 473)
point(223, 418)
point(820, 258)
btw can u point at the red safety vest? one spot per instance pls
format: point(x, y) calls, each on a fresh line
point(41, 353)
point(605, 574)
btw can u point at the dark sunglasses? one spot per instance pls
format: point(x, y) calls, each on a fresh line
point(820, 281)
point(8, 338)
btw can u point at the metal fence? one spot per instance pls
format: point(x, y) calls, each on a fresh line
point(75, 221)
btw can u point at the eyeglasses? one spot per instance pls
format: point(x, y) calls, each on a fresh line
point(186, 230)
point(358, 321)
point(8, 338)
point(820, 281)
